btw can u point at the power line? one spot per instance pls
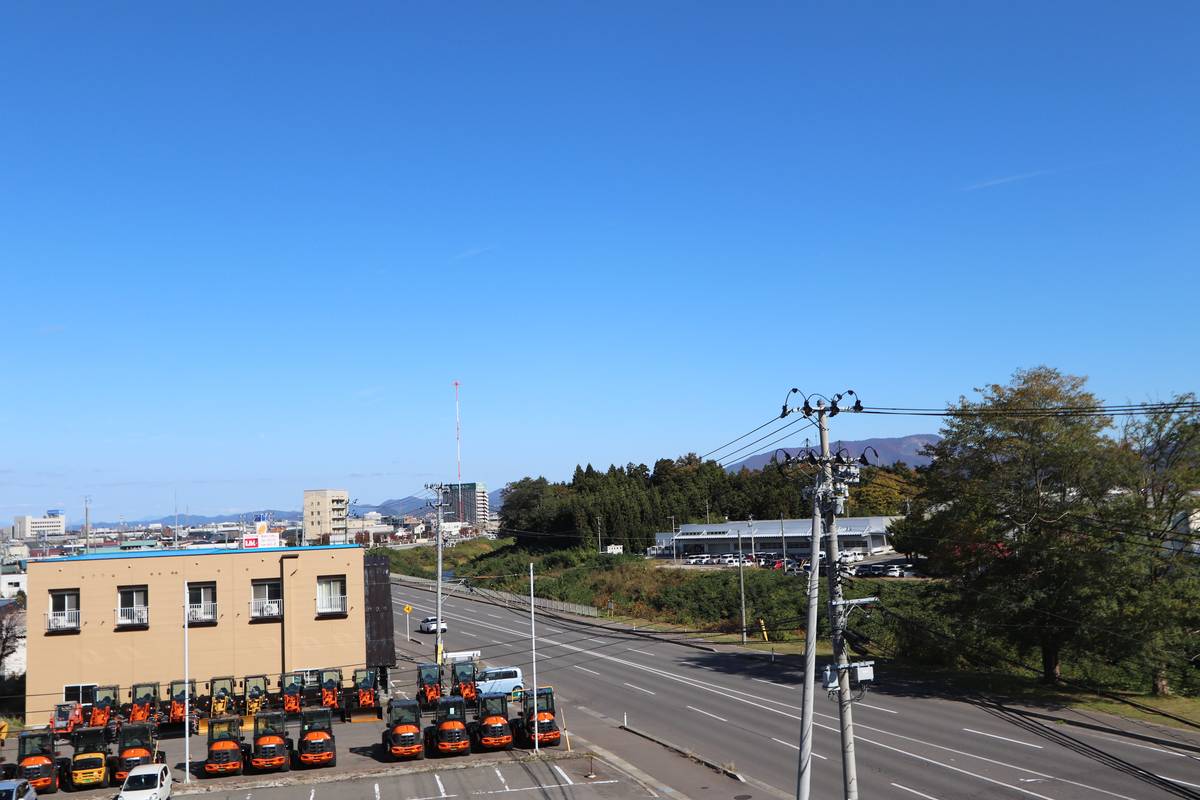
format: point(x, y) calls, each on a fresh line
point(738, 439)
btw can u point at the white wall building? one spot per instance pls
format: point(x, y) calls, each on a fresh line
point(29, 528)
point(867, 535)
point(325, 512)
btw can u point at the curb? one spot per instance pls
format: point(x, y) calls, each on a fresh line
point(641, 776)
point(683, 751)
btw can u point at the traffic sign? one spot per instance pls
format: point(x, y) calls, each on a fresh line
point(408, 609)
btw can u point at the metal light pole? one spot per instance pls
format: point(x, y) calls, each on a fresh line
point(742, 584)
point(533, 655)
point(187, 696)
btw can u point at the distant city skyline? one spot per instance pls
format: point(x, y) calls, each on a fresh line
point(248, 249)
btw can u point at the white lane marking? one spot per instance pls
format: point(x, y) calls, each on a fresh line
point(797, 747)
point(472, 635)
point(640, 689)
point(773, 683)
point(500, 775)
point(493, 641)
point(550, 630)
point(877, 708)
point(1176, 780)
point(312, 793)
point(565, 776)
point(1142, 746)
point(377, 791)
point(494, 616)
point(441, 788)
point(533, 788)
point(914, 791)
point(705, 713)
point(643, 652)
point(1005, 738)
point(944, 765)
point(585, 669)
point(730, 693)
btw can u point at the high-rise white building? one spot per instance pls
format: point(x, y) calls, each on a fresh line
point(29, 528)
point(325, 512)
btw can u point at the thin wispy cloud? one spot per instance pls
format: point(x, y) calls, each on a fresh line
point(1024, 176)
point(473, 252)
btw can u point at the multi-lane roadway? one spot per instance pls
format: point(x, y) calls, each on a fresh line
point(741, 709)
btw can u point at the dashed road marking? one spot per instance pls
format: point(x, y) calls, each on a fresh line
point(585, 669)
point(1005, 738)
point(640, 689)
point(643, 652)
point(707, 714)
point(796, 747)
point(914, 791)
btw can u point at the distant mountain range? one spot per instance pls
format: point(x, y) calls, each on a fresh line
point(899, 448)
point(197, 519)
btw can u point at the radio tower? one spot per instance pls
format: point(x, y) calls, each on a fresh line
point(458, 451)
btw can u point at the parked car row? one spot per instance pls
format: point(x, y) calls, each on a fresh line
point(768, 560)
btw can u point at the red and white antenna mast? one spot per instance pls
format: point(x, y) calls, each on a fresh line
point(457, 432)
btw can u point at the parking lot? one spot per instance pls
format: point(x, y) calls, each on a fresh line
point(887, 565)
point(359, 754)
point(564, 777)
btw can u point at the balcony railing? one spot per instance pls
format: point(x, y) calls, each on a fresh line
point(202, 612)
point(266, 609)
point(133, 615)
point(331, 605)
point(62, 621)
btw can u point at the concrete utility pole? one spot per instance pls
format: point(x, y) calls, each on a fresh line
point(804, 779)
point(439, 504)
point(537, 748)
point(599, 525)
point(837, 623)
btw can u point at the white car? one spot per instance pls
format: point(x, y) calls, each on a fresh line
point(147, 782)
point(505, 680)
point(430, 625)
point(697, 560)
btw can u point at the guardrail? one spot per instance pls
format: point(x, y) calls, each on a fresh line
point(505, 598)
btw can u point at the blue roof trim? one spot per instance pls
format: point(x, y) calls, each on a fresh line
point(207, 551)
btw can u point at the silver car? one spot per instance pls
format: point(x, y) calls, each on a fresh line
point(17, 790)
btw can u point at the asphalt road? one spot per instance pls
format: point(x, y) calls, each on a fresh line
point(740, 709)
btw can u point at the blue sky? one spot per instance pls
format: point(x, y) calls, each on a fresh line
point(247, 247)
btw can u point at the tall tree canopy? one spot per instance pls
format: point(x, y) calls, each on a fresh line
point(1042, 522)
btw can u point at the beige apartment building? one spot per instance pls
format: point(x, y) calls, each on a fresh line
point(107, 619)
point(325, 512)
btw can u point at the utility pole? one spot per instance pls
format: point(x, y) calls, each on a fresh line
point(599, 525)
point(674, 555)
point(804, 779)
point(829, 491)
point(837, 622)
point(439, 504)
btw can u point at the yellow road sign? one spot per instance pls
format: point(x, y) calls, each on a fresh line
point(408, 609)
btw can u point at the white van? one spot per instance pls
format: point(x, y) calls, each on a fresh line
point(505, 680)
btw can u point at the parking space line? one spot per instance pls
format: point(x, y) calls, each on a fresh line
point(500, 775)
point(1005, 738)
point(707, 714)
point(914, 791)
point(565, 776)
point(441, 787)
point(540, 788)
point(640, 689)
point(585, 669)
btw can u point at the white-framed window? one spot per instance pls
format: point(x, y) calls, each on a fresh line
point(202, 602)
point(266, 599)
point(79, 693)
point(331, 594)
point(64, 610)
point(133, 605)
